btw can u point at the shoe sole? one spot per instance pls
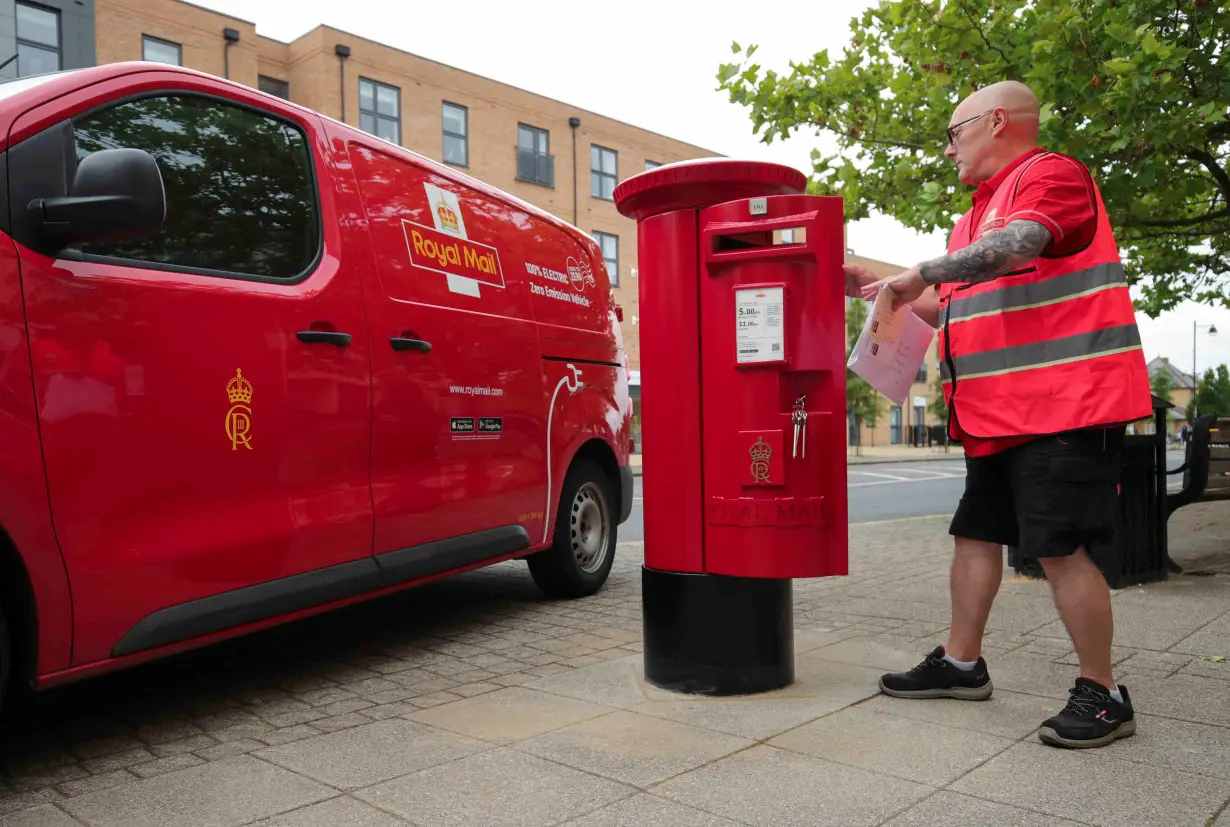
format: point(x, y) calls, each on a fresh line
point(959, 693)
point(1050, 736)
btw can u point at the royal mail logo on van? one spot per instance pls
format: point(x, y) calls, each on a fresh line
point(452, 256)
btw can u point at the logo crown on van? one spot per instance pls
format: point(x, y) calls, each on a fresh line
point(448, 218)
point(239, 390)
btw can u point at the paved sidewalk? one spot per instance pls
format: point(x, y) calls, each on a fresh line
point(475, 702)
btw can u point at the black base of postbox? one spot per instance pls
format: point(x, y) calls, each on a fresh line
point(709, 634)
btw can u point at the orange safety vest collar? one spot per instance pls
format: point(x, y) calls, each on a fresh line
point(1048, 348)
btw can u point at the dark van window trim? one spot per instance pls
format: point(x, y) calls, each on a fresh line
point(313, 175)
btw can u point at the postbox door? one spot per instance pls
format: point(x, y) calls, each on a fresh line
point(773, 387)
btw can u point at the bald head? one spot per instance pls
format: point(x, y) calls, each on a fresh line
point(998, 123)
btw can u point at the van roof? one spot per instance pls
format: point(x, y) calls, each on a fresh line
point(56, 84)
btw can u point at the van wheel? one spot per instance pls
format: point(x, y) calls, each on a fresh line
point(578, 562)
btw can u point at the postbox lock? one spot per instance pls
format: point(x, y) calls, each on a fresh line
point(757, 206)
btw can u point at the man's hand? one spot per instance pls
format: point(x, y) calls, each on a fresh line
point(907, 286)
point(857, 277)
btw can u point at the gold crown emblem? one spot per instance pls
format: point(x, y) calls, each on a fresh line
point(760, 451)
point(239, 390)
point(448, 218)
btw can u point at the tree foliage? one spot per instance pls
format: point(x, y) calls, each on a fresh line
point(1212, 394)
point(1137, 89)
point(1162, 384)
point(937, 407)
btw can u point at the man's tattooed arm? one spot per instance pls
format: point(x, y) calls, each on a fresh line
point(990, 256)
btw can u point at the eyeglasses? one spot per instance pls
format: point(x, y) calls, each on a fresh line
point(952, 130)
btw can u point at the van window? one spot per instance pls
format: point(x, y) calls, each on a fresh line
point(241, 197)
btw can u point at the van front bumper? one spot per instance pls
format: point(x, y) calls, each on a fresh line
point(625, 494)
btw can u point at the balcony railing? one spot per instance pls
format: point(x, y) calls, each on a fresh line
point(535, 167)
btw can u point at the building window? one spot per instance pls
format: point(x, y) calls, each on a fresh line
point(380, 110)
point(610, 254)
point(273, 86)
point(240, 194)
point(161, 51)
point(922, 373)
point(456, 131)
point(38, 40)
point(534, 161)
point(651, 165)
point(603, 167)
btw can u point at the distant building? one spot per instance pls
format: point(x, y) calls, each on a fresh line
point(1182, 389)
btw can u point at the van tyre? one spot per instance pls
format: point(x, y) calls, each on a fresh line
point(579, 560)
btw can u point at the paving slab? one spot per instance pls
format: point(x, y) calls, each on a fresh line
point(755, 718)
point(954, 810)
point(1213, 640)
point(634, 749)
point(874, 740)
point(1187, 697)
point(778, 788)
point(44, 815)
point(224, 793)
point(336, 812)
point(616, 683)
point(372, 753)
point(874, 654)
point(1149, 620)
point(1032, 674)
point(509, 715)
point(1179, 745)
point(498, 788)
point(1094, 787)
point(1005, 714)
point(646, 810)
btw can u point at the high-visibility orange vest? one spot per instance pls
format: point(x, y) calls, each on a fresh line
point(1050, 347)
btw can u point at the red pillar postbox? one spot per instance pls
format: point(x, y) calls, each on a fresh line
point(742, 326)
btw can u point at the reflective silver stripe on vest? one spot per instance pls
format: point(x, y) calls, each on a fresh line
point(1039, 293)
point(1105, 342)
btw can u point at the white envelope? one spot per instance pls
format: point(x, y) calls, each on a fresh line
point(889, 359)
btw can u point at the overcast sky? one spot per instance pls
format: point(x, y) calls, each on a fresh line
point(653, 64)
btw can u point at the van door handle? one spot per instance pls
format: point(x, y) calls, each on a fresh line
point(401, 343)
point(329, 337)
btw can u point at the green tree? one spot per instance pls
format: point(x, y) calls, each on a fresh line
point(1162, 384)
point(937, 407)
point(863, 403)
point(1212, 394)
point(1139, 90)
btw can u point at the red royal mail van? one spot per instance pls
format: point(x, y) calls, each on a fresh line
point(256, 364)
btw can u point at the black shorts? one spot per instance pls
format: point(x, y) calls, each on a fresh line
point(1047, 497)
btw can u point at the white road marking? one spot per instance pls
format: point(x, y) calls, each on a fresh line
point(885, 476)
point(901, 481)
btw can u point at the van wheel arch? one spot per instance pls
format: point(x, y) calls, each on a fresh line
point(19, 618)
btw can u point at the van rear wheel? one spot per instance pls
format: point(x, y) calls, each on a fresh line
point(579, 560)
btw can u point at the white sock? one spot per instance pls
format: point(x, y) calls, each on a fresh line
point(1116, 694)
point(967, 666)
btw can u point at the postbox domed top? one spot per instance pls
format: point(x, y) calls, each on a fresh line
point(702, 182)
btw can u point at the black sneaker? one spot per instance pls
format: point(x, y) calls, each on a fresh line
point(937, 678)
point(1092, 718)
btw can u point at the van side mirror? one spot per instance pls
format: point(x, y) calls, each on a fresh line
point(117, 194)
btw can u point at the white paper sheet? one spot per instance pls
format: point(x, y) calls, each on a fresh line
point(890, 357)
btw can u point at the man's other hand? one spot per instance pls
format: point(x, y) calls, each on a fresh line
point(857, 277)
point(907, 286)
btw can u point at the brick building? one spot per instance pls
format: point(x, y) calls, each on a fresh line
point(553, 155)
